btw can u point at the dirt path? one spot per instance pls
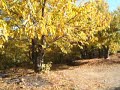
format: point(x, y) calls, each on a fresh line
point(100, 77)
point(96, 74)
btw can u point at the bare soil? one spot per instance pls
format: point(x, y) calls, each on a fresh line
point(92, 74)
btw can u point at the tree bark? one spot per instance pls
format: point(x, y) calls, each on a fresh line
point(38, 54)
point(35, 54)
point(100, 53)
point(106, 52)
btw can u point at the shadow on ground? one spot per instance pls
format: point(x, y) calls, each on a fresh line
point(68, 65)
point(117, 88)
point(89, 62)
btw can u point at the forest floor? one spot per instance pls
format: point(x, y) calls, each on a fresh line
point(92, 74)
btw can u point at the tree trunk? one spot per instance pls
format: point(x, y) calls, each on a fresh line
point(106, 52)
point(92, 52)
point(35, 55)
point(38, 53)
point(86, 52)
point(82, 53)
point(100, 53)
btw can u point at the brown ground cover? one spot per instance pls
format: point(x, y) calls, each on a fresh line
point(92, 74)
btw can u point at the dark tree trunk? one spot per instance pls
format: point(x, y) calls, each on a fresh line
point(89, 54)
point(35, 55)
point(38, 54)
point(92, 52)
point(86, 52)
point(82, 54)
point(100, 53)
point(106, 52)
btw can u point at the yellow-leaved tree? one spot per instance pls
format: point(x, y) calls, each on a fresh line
point(44, 23)
point(87, 20)
point(35, 21)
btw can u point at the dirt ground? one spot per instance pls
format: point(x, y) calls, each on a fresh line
point(93, 74)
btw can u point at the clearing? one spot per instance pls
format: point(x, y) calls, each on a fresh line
point(93, 74)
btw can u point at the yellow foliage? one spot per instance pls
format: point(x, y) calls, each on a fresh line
point(62, 18)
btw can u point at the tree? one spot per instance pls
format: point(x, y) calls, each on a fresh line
point(89, 19)
point(33, 21)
